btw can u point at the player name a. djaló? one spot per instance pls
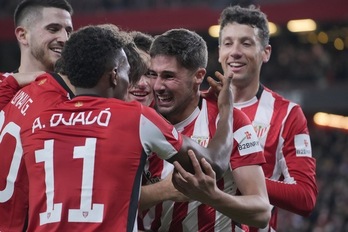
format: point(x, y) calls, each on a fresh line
point(101, 118)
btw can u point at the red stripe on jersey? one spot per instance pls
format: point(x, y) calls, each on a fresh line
point(277, 122)
point(195, 216)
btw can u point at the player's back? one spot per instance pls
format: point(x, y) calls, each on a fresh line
point(14, 118)
point(90, 150)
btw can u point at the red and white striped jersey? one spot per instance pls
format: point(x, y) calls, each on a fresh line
point(290, 168)
point(15, 116)
point(194, 216)
point(85, 160)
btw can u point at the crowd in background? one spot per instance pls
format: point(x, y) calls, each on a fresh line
point(292, 64)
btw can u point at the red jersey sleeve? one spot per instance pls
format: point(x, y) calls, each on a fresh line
point(8, 88)
point(298, 191)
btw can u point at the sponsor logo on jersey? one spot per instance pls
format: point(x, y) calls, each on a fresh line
point(303, 145)
point(201, 140)
point(247, 140)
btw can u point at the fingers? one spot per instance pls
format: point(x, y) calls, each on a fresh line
point(207, 168)
point(196, 165)
point(215, 85)
point(177, 179)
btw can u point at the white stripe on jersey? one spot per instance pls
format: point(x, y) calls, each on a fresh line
point(281, 167)
point(153, 139)
point(263, 117)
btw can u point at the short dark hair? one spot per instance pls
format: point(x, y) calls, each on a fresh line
point(187, 46)
point(27, 7)
point(90, 52)
point(137, 64)
point(142, 40)
point(250, 15)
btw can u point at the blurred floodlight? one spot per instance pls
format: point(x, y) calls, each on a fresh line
point(273, 29)
point(323, 37)
point(214, 31)
point(331, 120)
point(339, 44)
point(301, 25)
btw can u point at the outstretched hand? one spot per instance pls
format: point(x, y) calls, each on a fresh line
point(199, 186)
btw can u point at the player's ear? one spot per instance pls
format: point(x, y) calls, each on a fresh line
point(113, 77)
point(22, 35)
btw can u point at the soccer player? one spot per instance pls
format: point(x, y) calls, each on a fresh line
point(178, 61)
point(279, 123)
point(142, 91)
point(42, 28)
point(85, 157)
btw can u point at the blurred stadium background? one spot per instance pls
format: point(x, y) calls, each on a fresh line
point(309, 66)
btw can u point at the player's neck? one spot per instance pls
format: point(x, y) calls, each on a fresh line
point(243, 93)
point(32, 66)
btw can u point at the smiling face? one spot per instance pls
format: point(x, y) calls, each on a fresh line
point(241, 53)
point(176, 88)
point(45, 38)
point(142, 91)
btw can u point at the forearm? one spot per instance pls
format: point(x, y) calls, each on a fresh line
point(154, 194)
point(221, 145)
point(252, 210)
point(297, 198)
point(151, 195)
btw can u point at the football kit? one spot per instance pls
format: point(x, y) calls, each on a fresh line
point(85, 160)
point(194, 216)
point(15, 117)
point(290, 168)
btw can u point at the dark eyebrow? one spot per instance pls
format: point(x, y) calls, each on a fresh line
point(57, 25)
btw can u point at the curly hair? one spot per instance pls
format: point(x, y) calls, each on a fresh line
point(33, 7)
point(187, 46)
point(250, 16)
point(89, 52)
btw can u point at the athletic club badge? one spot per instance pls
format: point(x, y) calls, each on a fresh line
point(261, 129)
point(201, 140)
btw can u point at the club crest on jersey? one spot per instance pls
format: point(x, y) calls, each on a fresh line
point(78, 104)
point(84, 214)
point(303, 145)
point(201, 140)
point(261, 129)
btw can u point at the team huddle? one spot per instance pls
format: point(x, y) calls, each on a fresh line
point(103, 129)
